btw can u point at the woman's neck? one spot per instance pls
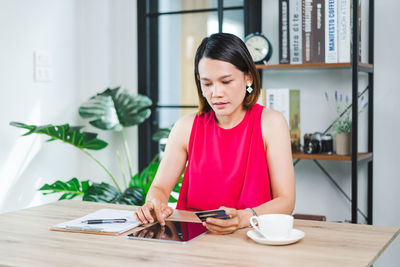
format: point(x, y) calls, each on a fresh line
point(231, 120)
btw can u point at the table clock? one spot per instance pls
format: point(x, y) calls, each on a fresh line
point(259, 47)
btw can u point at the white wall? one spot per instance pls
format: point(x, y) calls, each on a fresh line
point(387, 126)
point(27, 163)
point(107, 58)
point(93, 46)
point(315, 193)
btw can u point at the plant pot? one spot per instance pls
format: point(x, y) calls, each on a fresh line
point(343, 143)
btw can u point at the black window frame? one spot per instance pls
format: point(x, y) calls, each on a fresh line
point(147, 21)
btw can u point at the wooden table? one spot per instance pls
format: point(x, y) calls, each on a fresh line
point(25, 239)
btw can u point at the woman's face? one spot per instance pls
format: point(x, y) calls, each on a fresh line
point(223, 85)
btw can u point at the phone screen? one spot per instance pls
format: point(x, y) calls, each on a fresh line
point(172, 231)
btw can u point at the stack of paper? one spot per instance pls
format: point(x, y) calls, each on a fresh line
point(115, 228)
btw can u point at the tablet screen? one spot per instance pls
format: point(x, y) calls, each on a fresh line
point(172, 231)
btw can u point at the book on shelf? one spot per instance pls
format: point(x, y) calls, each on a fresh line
point(344, 31)
point(359, 30)
point(307, 34)
point(287, 102)
point(318, 32)
point(295, 31)
point(284, 51)
point(331, 45)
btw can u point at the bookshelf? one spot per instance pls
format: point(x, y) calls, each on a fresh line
point(335, 157)
point(356, 157)
point(365, 67)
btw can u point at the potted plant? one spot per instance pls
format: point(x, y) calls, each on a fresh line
point(111, 110)
point(342, 125)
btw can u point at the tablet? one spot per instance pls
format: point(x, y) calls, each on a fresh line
point(172, 231)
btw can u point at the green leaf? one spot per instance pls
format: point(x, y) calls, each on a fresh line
point(146, 177)
point(31, 128)
point(177, 187)
point(106, 193)
point(101, 193)
point(71, 188)
point(68, 134)
point(114, 109)
point(85, 185)
point(132, 196)
point(342, 125)
point(160, 134)
point(135, 180)
point(172, 199)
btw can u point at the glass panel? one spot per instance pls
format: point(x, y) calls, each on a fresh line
point(233, 22)
point(168, 116)
point(231, 3)
point(179, 5)
point(179, 37)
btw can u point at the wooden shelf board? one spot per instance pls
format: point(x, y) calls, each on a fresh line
point(312, 66)
point(366, 65)
point(301, 155)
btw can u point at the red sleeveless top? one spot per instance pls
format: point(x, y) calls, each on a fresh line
point(226, 167)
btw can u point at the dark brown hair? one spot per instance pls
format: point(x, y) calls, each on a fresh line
point(229, 48)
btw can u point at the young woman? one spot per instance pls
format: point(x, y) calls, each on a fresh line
point(238, 153)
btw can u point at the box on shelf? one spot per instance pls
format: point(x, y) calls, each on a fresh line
point(261, 98)
point(287, 101)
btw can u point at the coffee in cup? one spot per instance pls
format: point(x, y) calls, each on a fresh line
point(273, 226)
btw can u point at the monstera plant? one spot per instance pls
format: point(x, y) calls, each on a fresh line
point(111, 110)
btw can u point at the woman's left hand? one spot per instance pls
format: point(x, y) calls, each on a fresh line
point(239, 219)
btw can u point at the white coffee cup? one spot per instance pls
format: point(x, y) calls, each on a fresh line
point(273, 226)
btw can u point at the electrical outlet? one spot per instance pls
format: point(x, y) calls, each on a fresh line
point(43, 74)
point(43, 70)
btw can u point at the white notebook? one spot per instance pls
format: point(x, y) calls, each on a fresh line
point(115, 228)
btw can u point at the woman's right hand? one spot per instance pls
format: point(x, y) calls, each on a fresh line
point(153, 210)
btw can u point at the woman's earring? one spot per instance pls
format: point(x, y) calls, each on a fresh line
point(249, 89)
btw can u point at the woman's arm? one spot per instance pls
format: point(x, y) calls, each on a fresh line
point(281, 173)
point(168, 173)
point(280, 164)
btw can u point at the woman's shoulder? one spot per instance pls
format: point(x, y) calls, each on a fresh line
point(182, 129)
point(186, 121)
point(271, 116)
point(272, 119)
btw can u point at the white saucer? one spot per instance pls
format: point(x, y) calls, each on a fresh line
point(294, 236)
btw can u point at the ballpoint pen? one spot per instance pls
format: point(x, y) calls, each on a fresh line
point(99, 221)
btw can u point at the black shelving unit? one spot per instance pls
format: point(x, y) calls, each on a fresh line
point(355, 70)
point(356, 157)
